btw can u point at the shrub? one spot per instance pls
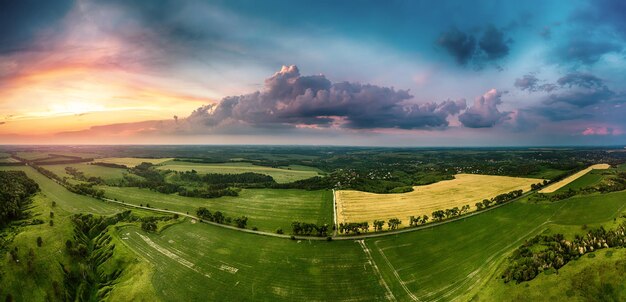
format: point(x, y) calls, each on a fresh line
point(279, 231)
point(39, 241)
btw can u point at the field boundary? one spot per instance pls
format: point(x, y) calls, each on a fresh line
point(334, 214)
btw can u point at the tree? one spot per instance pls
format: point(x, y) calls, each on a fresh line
point(378, 225)
point(438, 215)
point(51, 214)
point(218, 217)
point(241, 222)
point(149, 226)
point(424, 219)
point(279, 231)
point(39, 241)
point(394, 223)
point(479, 206)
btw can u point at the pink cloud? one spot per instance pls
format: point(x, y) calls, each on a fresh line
point(601, 131)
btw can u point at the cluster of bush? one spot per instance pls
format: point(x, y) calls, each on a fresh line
point(109, 165)
point(247, 178)
point(354, 227)
point(308, 229)
point(219, 217)
point(526, 262)
point(154, 179)
point(79, 175)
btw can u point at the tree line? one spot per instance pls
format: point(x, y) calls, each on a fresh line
point(500, 199)
point(219, 217)
point(308, 229)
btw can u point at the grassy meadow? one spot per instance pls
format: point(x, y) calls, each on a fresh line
point(131, 161)
point(106, 173)
point(266, 209)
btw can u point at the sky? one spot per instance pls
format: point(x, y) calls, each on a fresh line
point(376, 73)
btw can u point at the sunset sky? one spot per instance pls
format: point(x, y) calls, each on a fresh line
point(391, 73)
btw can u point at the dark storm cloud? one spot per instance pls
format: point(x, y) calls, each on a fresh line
point(527, 82)
point(586, 52)
point(578, 93)
point(577, 79)
point(458, 44)
point(494, 44)
point(583, 90)
point(604, 12)
point(484, 113)
point(291, 100)
point(21, 21)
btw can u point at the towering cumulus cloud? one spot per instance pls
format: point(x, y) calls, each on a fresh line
point(292, 100)
point(484, 113)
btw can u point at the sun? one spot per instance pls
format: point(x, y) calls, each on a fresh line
point(74, 108)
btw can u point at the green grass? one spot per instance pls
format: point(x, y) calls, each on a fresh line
point(65, 199)
point(106, 173)
point(37, 286)
point(33, 155)
point(267, 209)
point(592, 178)
point(8, 160)
point(280, 175)
point(199, 262)
point(606, 270)
point(459, 260)
point(25, 286)
point(455, 259)
point(546, 173)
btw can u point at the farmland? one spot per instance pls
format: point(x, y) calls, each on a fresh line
point(131, 161)
point(106, 173)
point(280, 175)
point(266, 209)
point(244, 267)
point(184, 259)
point(355, 206)
point(554, 187)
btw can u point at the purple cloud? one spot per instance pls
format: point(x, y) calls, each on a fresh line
point(484, 113)
point(292, 100)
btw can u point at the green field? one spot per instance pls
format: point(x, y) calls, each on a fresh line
point(188, 261)
point(592, 178)
point(131, 161)
point(585, 279)
point(280, 175)
point(106, 173)
point(33, 155)
point(8, 160)
point(267, 209)
point(209, 263)
point(65, 199)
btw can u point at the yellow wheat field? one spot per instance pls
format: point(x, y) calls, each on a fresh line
point(358, 206)
point(553, 187)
